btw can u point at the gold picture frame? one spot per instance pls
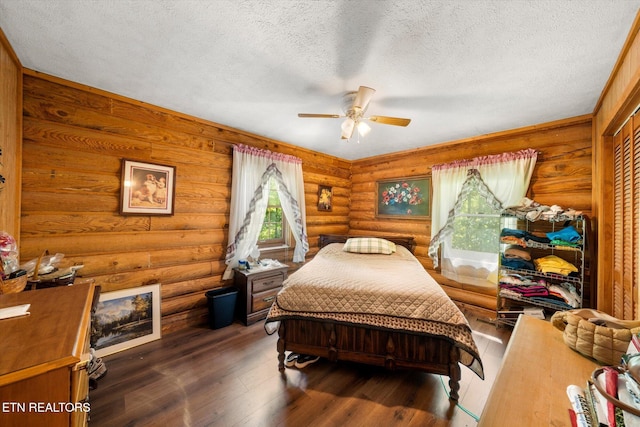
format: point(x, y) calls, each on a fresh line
point(404, 198)
point(147, 188)
point(325, 198)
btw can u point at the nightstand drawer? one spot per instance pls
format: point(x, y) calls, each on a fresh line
point(269, 282)
point(262, 300)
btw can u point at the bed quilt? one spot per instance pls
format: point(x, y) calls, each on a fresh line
point(382, 291)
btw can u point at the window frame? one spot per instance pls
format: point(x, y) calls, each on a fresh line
point(280, 241)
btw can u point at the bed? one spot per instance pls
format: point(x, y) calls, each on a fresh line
point(380, 309)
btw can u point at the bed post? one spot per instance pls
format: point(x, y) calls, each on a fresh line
point(281, 345)
point(454, 373)
point(389, 358)
point(333, 351)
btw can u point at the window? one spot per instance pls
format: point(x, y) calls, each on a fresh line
point(477, 226)
point(274, 227)
point(470, 254)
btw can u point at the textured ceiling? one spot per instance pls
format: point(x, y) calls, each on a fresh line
point(456, 68)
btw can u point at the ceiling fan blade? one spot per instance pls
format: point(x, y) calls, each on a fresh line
point(395, 121)
point(347, 128)
point(319, 116)
point(363, 97)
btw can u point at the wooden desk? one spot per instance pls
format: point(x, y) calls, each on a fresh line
point(44, 356)
point(531, 387)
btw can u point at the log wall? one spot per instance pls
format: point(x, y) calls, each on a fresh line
point(10, 137)
point(562, 176)
point(75, 138)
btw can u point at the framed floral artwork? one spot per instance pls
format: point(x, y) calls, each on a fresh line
point(325, 194)
point(147, 188)
point(404, 198)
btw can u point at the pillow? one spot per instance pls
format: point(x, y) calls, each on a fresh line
point(369, 245)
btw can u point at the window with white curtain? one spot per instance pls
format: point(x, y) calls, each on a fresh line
point(470, 253)
point(468, 197)
point(254, 171)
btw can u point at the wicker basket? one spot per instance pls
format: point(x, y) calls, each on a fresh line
point(13, 286)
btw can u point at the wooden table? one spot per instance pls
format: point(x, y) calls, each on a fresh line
point(531, 387)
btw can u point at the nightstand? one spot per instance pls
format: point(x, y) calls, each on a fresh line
point(257, 289)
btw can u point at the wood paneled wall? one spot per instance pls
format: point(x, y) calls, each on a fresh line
point(619, 99)
point(74, 140)
point(562, 176)
point(10, 138)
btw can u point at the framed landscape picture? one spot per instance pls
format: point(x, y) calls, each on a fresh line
point(147, 188)
point(404, 198)
point(125, 319)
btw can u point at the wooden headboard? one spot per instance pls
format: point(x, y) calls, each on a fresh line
point(406, 241)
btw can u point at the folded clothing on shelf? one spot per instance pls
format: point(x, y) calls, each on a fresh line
point(534, 211)
point(567, 234)
point(521, 237)
point(554, 264)
point(526, 291)
point(514, 251)
point(517, 263)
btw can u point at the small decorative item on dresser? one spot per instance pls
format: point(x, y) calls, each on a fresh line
point(13, 286)
point(12, 279)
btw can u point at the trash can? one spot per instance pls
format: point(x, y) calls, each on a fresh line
point(222, 304)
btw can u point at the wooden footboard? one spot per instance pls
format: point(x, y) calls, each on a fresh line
point(362, 344)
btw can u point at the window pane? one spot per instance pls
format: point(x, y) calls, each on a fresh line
point(476, 233)
point(477, 226)
point(470, 254)
point(272, 228)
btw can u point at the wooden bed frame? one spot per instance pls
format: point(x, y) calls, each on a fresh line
point(365, 344)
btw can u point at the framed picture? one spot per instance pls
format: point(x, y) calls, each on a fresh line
point(125, 319)
point(325, 194)
point(408, 198)
point(147, 189)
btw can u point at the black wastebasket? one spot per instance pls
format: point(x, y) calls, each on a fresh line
point(222, 304)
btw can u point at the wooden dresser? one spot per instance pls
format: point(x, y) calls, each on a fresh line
point(531, 386)
point(257, 289)
point(44, 357)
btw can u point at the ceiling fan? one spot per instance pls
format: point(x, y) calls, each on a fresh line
point(354, 105)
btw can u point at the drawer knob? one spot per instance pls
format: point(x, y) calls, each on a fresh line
point(269, 299)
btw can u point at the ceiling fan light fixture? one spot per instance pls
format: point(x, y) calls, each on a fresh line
point(354, 105)
point(363, 129)
point(347, 128)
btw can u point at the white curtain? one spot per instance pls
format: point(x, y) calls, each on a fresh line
point(448, 179)
point(252, 169)
point(503, 179)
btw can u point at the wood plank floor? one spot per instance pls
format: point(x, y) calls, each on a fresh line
point(230, 377)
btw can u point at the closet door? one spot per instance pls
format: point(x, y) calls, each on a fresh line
point(626, 247)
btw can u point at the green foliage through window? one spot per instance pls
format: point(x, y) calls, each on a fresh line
point(272, 228)
point(476, 226)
